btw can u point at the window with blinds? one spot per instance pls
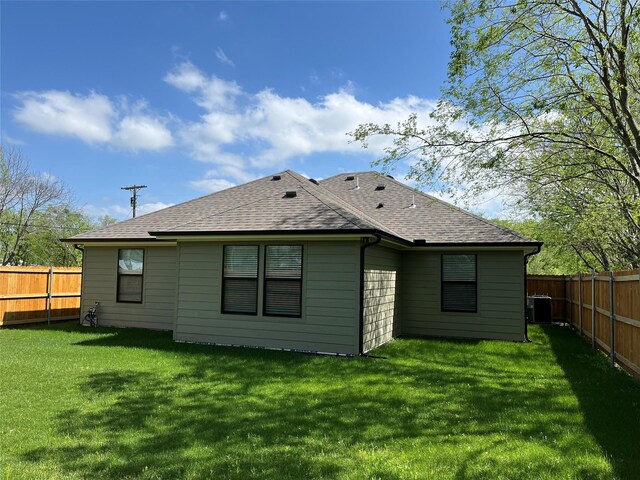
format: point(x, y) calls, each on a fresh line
point(130, 275)
point(283, 280)
point(459, 283)
point(240, 279)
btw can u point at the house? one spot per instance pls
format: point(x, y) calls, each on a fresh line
point(341, 266)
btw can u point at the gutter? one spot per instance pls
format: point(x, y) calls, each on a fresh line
point(361, 326)
point(416, 243)
point(526, 259)
point(77, 247)
point(168, 237)
point(78, 240)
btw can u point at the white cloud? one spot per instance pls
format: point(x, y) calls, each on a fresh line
point(211, 185)
point(223, 16)
point(142, 132)
point(239, 133)
point(216, 128)
point(92, 118)
point(118, 211)
point(63, 113)
point(213, 93)
point(122, 212)
point(145, 208)
point(185, 77)
point(491, 204)
point(233, 171)
point(272, 128)
point(222, 57)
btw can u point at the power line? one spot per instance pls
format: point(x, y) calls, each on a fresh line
point(134, 198)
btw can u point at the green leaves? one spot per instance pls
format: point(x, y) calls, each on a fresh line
point(542, 98)
point(34, 214)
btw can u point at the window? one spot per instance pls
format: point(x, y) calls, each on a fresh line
point(240, 279)
point(459, 283)
point(283, 280)
point(130, 275)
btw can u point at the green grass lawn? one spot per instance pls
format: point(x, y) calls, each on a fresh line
point(106, 403)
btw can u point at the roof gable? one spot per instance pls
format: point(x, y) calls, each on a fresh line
point(257, 206)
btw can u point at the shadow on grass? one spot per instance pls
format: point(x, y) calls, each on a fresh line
point(63, 326)
point(609, 399)
point(200, 411)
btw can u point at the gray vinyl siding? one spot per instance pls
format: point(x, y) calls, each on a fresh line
point(500, 312)
point(100, 279)
point(330, 300)
point(381, 296)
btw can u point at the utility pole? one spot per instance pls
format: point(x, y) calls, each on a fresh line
point(134, 198)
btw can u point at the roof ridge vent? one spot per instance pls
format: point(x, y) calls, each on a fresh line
point(381, 186)
point(314, 181)
point(276, 178)
point(390, 177)
point(291, 193)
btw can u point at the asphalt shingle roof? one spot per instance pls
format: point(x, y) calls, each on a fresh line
point(332, 205)
point(432, 220)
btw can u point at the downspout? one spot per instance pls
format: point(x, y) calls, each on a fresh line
point(75, 245)
point(526, 259)
point(361, 329)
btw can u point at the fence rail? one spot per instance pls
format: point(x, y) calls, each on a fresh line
point(39, 294)
point(604, 307)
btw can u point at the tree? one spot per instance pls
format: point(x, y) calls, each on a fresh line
point(558, 257)
point(35, 212)
point(601, 228)
point(23, 196)
point(542, 98)
point(42, 246)
point(104, 221)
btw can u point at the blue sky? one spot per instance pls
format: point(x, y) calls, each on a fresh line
point(189, 98)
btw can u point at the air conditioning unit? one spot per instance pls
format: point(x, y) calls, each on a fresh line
point(539, 309)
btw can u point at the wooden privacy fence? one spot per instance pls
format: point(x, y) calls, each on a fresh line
point(604, 307)
point(39, 294)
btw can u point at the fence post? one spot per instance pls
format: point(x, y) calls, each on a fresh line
point(580, 302)
point(564, 295)
point(49, 292)
point(571, 301)
point(612, 348)
point(593, 309)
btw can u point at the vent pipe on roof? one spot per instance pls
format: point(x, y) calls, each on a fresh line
point(413, 202)
point(357, 184)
